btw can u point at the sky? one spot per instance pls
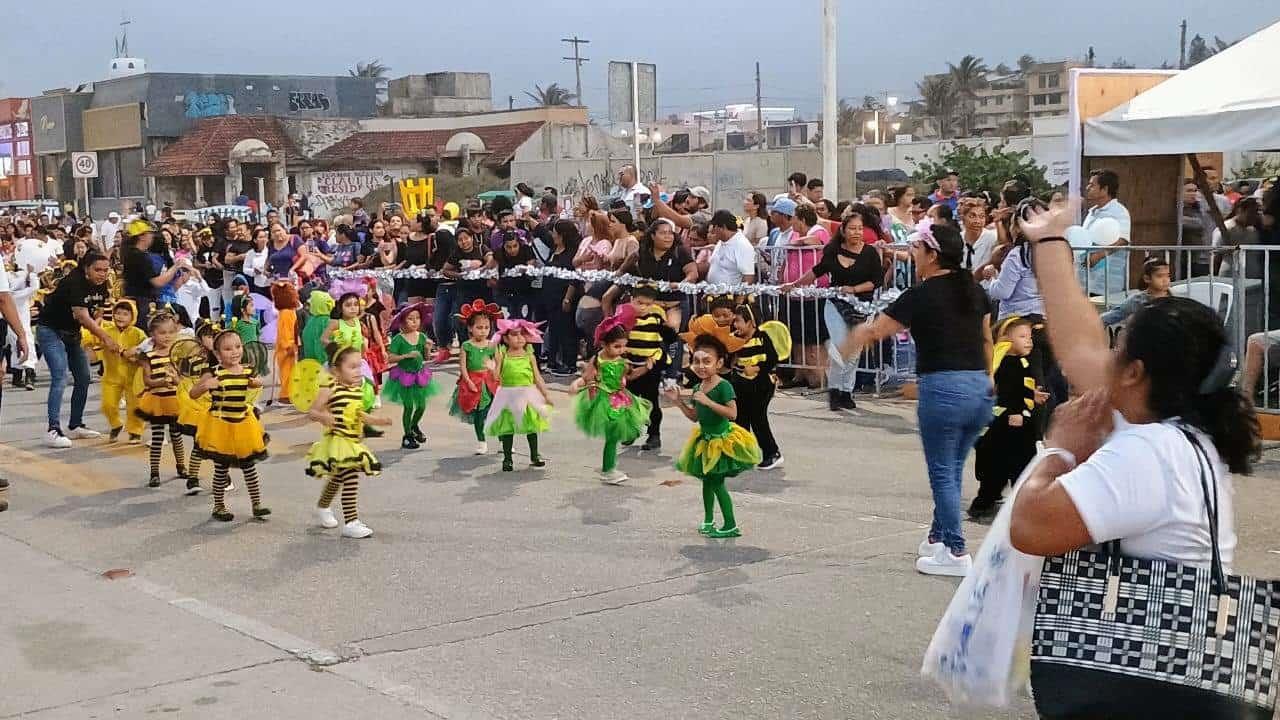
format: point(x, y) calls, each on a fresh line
point(705, 52)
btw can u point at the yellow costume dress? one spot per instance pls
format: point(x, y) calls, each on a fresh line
point(191, 412)
point(118, 373)
point(158, 405)
point(229, 433)
point(340, 450)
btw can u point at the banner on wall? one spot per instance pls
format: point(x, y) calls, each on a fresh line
point(331, 191)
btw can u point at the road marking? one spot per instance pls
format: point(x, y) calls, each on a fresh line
point(77, 479)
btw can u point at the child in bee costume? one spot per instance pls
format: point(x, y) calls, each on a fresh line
point(230, 433)
point(752, 377)
point(118, 371)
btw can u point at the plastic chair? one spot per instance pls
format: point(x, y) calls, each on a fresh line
point(1215, 294)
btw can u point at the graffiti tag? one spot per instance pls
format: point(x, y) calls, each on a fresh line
point(209, 104)
point(308, 101)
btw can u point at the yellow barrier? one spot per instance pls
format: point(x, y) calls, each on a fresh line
point(417, 194)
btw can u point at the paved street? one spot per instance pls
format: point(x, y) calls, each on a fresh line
point(534, 594)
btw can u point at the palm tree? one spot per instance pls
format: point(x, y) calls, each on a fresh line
point(967, 77)
point(1003, 69)
point(870, 102)
point(940, 100)
point(552, 94)
point(848, 126)
point(1025, 62)
point(372, 69)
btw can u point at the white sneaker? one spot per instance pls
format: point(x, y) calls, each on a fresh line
point(928, 549)
point(83, 433)
point(377, 402)
point(326, 518)
point(482, 448)
point(356, 529)
point(55, 439)
point(614, 477)
point(944, 563)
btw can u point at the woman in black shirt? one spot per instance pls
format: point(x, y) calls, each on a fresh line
point(515, 294)
point(560, 301)
point(415, 252)
point(854, 268)
point(950, 320)
point(466, 255)
point(143, 281)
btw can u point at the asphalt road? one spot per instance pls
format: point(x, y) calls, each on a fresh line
point(482, 594)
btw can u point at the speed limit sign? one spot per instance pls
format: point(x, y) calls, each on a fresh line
point(84, 164)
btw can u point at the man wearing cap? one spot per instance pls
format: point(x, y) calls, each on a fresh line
point(948, 192)
point(781, 210)
point(107, 231)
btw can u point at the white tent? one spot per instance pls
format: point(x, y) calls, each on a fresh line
point(1231, 100)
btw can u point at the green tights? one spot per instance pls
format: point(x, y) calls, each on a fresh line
point(713, 489)
point(412, 416)
point(477, 421)
point(508, 441)
point(610, 455)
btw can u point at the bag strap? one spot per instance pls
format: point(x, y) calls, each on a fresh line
point(1211, 506)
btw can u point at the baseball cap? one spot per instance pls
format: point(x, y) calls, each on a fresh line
point(113, 215)
point(701, 192)
point(784, 206)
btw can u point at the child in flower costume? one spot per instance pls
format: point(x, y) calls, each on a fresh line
point(521, 406)
point(477, 379)
point(409, 382)
point(717, 448)
point(603, 407)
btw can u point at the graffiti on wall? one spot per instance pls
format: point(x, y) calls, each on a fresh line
point(332, 191)
point(299, 101)
point(209, 104)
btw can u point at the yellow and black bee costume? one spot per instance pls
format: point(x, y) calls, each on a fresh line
point(339, 456)
point(231, 435)
point(158, 405)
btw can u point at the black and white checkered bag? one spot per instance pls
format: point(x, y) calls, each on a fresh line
point(1116, 636)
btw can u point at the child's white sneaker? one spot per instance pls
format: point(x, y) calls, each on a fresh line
point(356, 529)
point(614, 477)
point(482, 448)
point(326, 518)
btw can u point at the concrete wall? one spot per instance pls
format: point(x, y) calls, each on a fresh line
point(312, 136)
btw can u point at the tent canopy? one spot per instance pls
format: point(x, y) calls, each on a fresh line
point(1231, 100)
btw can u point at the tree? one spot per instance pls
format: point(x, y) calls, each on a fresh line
point(552, 94)
point(1003, 69)
point(969, 75)
point(1198, 50)
point(940, 101)
point(372, 69)
point(1025, 62)
point(1166, 65)
point(982, 169)
point(1089, 57)
point(870, 102)
point(1121, 64)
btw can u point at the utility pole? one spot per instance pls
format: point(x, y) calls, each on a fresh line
point(764, 143)
point(830, 167)
point(511, 102)
point(577, 62)
point(1182, 47)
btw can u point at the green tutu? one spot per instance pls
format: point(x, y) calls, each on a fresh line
point(719, 457)
point(619, 416)
point(519, 410)
point(394, 392)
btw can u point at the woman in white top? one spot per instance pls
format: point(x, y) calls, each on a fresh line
point(979, 240)
point(755, 222)
point(1120, 466)
point(255, 264)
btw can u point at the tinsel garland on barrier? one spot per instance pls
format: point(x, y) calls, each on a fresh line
point(699, 288)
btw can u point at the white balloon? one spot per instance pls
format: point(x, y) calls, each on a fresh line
point(1105, 231)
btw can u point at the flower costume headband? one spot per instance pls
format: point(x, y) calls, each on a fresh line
point(530, 330)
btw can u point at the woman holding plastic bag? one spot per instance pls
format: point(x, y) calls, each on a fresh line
point(1151, 624)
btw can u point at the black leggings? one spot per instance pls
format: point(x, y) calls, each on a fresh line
point(753, 398)
point(647, 386)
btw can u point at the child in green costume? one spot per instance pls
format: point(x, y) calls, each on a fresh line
point(521, 406)
point(604, 407)
point(718, 448)
point(477, 379)
point(409, 383)
point(319, 305)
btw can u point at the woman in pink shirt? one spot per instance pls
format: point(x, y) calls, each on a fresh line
point(804, 316)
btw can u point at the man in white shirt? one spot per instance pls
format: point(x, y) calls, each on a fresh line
point(1103, 272)
point(733, 260)
point(630, 189)
point(107, 231)
point(34, 251)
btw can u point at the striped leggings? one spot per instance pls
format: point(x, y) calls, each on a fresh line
point(157, 445)
point(349, 482)
point(222, 478)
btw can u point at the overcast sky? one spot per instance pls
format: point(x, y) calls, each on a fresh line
point(705, 51)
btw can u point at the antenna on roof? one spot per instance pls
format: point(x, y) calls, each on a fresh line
point(122, 42)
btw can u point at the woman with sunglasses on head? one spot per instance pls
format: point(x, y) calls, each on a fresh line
point(950, 319)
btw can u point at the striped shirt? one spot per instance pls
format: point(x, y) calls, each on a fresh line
point(342, 398)
point(758, 352)
point(647, 339)
point(230, 400)
point(159, 364)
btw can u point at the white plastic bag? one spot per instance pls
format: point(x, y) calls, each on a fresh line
point(981, 652)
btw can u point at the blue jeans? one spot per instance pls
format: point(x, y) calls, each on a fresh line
point(62, 352)
point(954, 407)
point(442, 319)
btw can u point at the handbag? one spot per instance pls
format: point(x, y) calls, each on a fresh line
point(1117, 636)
